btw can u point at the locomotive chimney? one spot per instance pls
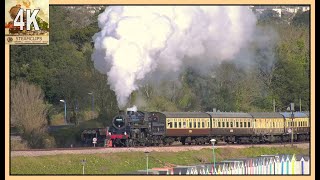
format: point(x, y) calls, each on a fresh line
point(121, 112)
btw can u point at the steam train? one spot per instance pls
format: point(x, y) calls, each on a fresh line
point(138, 128)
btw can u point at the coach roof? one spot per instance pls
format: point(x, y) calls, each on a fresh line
point(296, 114)
point(230, 114)
point(186, 115)
point(266, 115)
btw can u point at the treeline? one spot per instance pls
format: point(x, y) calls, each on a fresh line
point(64, 71)
point(279, 73)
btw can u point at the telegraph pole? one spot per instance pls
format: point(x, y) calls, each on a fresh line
point(292, 124)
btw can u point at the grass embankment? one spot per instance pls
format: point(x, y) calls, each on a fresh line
point(124, 163)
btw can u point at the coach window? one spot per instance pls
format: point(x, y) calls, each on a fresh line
point(272, 124)
point(194, 124)
point(237, 124)
point(170, 124)
point(245, 124)
point(202, 124)
point(240, 124)
point(184, 124)
point(223, 124)
point(219, 125)
point(198, 124)
point(190, 124)
point(175, 124)
point(231, 124)
point(179, 124)
point(227, 124)
point(248, 124)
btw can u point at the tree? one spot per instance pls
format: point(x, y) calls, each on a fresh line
point(29, 112)
point(302, 19)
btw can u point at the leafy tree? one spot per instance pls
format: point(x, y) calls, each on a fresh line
point(302, 19)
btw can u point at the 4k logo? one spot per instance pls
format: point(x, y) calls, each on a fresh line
point(30, 19)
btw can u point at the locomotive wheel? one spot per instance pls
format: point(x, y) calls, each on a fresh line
point(133, 144)
point(130, 142)
point(126, 143)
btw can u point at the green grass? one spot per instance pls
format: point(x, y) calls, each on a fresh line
point(126, 162)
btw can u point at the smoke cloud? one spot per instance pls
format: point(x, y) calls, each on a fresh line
point(137, 44)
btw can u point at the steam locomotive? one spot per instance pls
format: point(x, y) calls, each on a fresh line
point(137, 128)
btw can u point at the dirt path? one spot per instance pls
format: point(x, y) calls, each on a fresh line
point(157, 149)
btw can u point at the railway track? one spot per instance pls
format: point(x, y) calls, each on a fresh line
point(174, 148)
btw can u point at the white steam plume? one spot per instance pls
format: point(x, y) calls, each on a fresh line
point(140, 42)
point(133, 108)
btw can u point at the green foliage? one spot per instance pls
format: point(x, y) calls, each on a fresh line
point(302, 19)
point(269, 16)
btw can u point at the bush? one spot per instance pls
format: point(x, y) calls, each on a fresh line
point(18, 144)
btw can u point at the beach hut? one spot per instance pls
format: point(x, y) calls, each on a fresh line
point(282, 164)
point(224, 168)
point(277, 165)
point(306, 165)
point(207, 168)
point(251, 166)
point(302, 165)
point(229, 172)
point(287, 164)
point(242, 167)
point(292, 164)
